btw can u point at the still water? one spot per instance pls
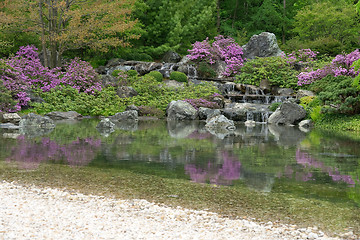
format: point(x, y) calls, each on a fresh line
point(263, 158)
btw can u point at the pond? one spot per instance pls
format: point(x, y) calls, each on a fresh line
point(266, 172)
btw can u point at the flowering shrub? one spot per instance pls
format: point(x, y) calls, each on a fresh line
point(200, 102)
point(301, 56)
point(340, 66)
point(81, 76)
point(224, 49)
point(24, 72)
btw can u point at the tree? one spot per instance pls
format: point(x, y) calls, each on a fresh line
point(71, 24)
point(328, 20)
point(176, 24)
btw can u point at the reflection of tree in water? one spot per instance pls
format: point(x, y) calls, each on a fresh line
point(30, 154)
point(308, 163)
point(222, 174)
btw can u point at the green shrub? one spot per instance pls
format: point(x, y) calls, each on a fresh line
point(6, 101)
point(157, 75)
point(178, 76)
point(205, 70)
point(274, 106)
point(150, 111)
point(103, 103)
point(132, 73)
point(338, 94)
point(276, 69)
point(316, 114)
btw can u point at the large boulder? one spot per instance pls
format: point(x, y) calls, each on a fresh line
point(220, 122)
point(181, 110)
point(262, 45)
point(13, 118)
point(304, 93)
point(171, 57)
point(70, 115)
point(126, 116)
point(205, 113)
point(287, 114)
point(36, 121)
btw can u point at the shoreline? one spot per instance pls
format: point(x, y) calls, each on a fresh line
point(50, 213)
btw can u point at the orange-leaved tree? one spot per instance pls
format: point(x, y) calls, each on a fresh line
point(71, 24)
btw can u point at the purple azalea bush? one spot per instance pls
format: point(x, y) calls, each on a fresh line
point(24, 72)
point(222, 49)
point(200, 102)
point(340, 66)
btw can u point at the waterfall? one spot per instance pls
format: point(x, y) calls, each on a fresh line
point(249, 116)
point(264, 117)
point(192, 72)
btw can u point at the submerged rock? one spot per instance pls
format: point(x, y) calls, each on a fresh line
point(130, 115)
point(220, 122)
point(36, 121)
point(70, 115)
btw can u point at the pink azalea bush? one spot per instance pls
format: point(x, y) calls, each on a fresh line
point(24, 72)
point(340, 66)
point(222, 49)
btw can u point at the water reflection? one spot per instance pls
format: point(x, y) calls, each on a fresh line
point(257, 156)
point(29, 154)
point(309, 164)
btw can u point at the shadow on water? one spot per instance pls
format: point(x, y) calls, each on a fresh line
point(264, 159)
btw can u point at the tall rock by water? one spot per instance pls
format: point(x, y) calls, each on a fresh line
point(287, 114)
point(262, 45)
point(181, 110)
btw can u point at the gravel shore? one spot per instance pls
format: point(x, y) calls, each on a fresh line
point(43, 213)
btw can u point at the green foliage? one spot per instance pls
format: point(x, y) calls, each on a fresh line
point(338, 94)
point(205, 70)
point(356, 66)
point(316, 22)
point(132, 73)
point(157, 75)
point(115, 73)
point(275, 69)
point(316, 114)
point(178, 76)
point(172, 24)
point(150, 111)
point(274, 106)
point(66, 98)
point(6, 100)
point(312, 105)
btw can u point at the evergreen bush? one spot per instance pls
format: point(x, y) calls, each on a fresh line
point(178, 76)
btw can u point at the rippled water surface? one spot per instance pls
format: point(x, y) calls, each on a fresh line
point(266, 159)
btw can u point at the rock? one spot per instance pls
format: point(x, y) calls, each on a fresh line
point(220, 122)
point(219, 68)
point(171, 57)
point(9, 118)
point(304, 93)
point(250, 123)
point(107, 80)
point(288, 113)
point(306, 123)
point(262, 45)
point(181, 110)
point(205, 113)
point(129, 116)
point(265, 86)
point(283, 91)
point(145, 67)
point(126, 92)
point(312, 236)
point(173, 84)
point(71, 115)
point(36, 121)
point(114, 62)
point(132, 107)
point(8, 126)
point(105, 123)
point(101, 70)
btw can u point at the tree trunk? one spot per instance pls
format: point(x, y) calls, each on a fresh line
point(235, 13)
point(43, 41)
point(284, 17)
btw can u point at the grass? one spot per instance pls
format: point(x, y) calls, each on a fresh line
point(235, 202)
